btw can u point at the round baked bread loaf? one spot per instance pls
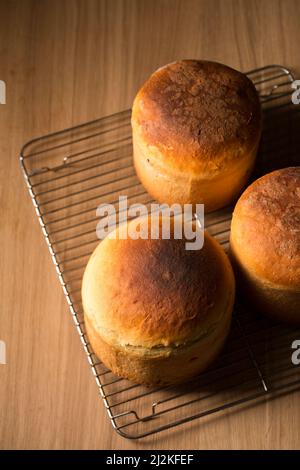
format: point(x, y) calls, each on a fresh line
point(265, 244)
point(156, 313)
point(196, 129)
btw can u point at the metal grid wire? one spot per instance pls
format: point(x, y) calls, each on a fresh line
point(69, 173)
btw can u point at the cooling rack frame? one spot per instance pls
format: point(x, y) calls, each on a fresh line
point(39, 160)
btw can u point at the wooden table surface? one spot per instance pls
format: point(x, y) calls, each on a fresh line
point(65, 62)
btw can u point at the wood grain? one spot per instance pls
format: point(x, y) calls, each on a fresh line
point(66, 62)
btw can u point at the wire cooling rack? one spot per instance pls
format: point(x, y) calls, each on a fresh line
point(69, 173)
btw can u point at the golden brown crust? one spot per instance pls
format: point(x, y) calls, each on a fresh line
point(265, 230)
point(154, 312)
point(199, 115)
point(152, 293)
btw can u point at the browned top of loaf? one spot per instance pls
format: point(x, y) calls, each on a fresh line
point(198, 114)
point(266, 227)
point(149, 293)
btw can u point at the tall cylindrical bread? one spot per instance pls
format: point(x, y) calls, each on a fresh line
point(156, 313)
point(265, 244)
point(196, 128)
